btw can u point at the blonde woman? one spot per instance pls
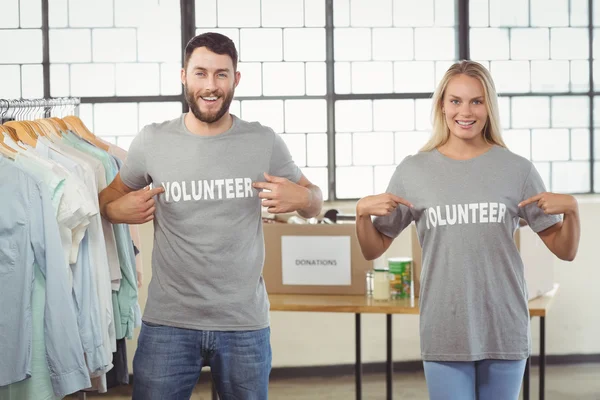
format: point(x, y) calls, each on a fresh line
point(466, 192)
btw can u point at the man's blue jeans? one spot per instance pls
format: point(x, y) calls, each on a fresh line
point(168, 361)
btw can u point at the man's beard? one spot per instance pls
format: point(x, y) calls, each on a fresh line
point(205, 116)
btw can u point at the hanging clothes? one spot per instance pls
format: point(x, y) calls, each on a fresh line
point(77, 281)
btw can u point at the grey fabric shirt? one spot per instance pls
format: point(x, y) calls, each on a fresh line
point(473, 297)
point(208, 239)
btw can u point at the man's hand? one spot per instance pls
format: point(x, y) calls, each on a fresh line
point(283, 196)
point(134, 208)
point(553, 203)
point(380, 205)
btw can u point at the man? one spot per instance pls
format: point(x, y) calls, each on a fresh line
point(207, 303)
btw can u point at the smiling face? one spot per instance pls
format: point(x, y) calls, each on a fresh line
point(210, 81)
point(464, 108)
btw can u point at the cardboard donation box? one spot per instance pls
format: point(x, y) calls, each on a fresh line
point(314, 259)
point(537, 260)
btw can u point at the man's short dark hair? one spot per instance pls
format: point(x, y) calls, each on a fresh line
point(215, 42)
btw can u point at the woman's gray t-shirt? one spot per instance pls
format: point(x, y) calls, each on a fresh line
point(473, 298)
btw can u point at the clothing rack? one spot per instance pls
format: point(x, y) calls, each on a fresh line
point(30, 109)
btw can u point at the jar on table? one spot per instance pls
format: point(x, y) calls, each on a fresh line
point(381, 284)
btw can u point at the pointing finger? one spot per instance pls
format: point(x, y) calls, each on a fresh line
point(530, 200)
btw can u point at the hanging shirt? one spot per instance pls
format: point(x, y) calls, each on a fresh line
point(473, 300)
point(29, 234)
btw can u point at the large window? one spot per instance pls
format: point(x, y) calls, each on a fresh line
point(347, 83)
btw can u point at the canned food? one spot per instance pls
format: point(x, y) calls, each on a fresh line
point(401, 277)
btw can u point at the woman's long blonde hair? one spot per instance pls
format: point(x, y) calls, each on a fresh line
point(491, 130)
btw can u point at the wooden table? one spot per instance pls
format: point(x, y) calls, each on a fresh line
point(362, 305)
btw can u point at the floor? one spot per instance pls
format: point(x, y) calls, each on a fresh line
point(571, 382)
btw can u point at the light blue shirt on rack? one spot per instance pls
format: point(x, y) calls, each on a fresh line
point(29, 235)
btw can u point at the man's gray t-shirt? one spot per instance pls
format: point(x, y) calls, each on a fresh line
point(473, 297)
point(208, 238)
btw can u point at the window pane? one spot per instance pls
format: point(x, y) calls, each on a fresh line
point(394, 115)
point(343, 149)
point(304, 44)
point(267, 112)
point(518, 141)
point(58, 13)
point(103, 83)
point(305, 116)
point(409, 143)
point(158, 112)
point(31, 13)
point(341, 13)
point(282, 13)
point(32, 81)
point(319, 177)
point(316, 78)
point(239, 13)
point(571, 177)
point(95, 13)
point(530, 43)
point(579, 13)
point(353, 182)
point(569, 43)
point(317, 149)
point(511, 76)
point(283, 79)
point(261, 45)
point(371, 13)
point(127, 12)
point(314, 13)
point(159, 45)
point(414, 76)
point(353, 116)
point(435, 43)
point(383, 175)
point(580, 76)
point(479, 13)
point(352, 44)
point(489, 44)
point(9, 17)
point(423, 114)
point(550, 144)
point(138, 80)
point(393, 44)
point(550, 76)
point(105, 49)
point(70, 45)
point(170, 82)
point(86, 114)
point(251, 79)
point(509, 13)
point(206, 13)
point(570, 112)
point(549, 12)
point(59, 80)
point(116, 119)
point(372, 77)
point(530, 112)
point(543, 169)
point(234, 108)
point(413, 13)
point(21, 46)
point(504, 109)
point(580, 144)
point(10, 81)
point(373, 148)
point(296, 144)
point(343, 77)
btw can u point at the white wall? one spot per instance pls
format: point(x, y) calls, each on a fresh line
point(304, 339)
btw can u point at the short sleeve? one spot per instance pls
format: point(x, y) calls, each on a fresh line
point(281, 161)
point(392, 225)
point(535, 216)
point(134, 173)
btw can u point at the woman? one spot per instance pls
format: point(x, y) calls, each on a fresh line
point(466, 192)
